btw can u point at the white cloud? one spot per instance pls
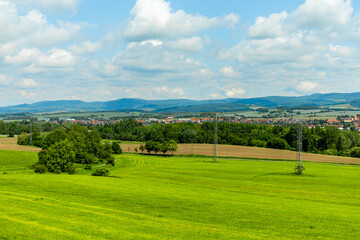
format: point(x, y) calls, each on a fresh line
point(194, 44)
point(52, 5)
point(307, 86)
point(53, 58)
point(269, 27)
point(86, 47)
point(154, 19)
point(4, 80)
point(228, 71)
point(170, 92)
point(323, 14)
point(234, 92)
point(31, 29)
point(150, 56)
point(28, 83)
point(26, 94)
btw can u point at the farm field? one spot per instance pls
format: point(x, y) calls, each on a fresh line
point(249, 152)
point(154, 197)
point(11, 144)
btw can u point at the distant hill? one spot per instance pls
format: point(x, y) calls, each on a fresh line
point(186, 105)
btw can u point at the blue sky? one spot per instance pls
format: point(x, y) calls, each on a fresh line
point(157, 49)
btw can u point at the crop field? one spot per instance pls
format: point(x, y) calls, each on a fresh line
point(11, 144)
point(154, 197)
point(248, 152)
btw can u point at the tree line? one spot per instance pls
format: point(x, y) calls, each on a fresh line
point(322, 140)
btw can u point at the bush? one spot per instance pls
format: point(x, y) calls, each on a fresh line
point(71, 169)
point(88, 167)
point(101, 172)
point(277, 143)
point(40, 168)
point(116, 149)
point(355, 152)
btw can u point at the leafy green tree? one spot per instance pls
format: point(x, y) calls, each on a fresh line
point(116, 149)
point(277, 143)
point(142, 148)
point(172, 146)
point(59, 157)
point(164, 148)
point(149, 146)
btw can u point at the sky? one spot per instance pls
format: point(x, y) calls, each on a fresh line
point(94, 50)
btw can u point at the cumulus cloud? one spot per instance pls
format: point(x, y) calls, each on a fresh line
point(52, 5)
point(26, 94)
point(86, 47)
point(270, 27)
point(31, 29)
point(28, 83)
point(169, 92)
point(323, 14)
point(152, 56)
point(4, 80)
point(307, 86)
point(52, 58)
point(235, 92)
point(228, 71)
point(194, 44)
point(154, 19)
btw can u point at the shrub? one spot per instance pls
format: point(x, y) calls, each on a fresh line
point(40, 168)
point(88, 167)
point(101, 172)
point(116, 149)
point(71, 169)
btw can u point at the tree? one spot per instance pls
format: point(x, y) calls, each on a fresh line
point(172, 146)
point(277, 143)
point(59, 157)
point(157, 147)
point(142, 148)
point(164, 147)
point(149, 146)
point(116, 149)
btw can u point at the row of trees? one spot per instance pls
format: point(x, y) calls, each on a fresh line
point(327, 140)
point(164, 147)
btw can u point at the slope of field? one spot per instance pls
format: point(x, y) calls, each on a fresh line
point(11, 144)
point(249, 152)
point(149, 197)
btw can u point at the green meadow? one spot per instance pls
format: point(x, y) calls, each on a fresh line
point(150, 197)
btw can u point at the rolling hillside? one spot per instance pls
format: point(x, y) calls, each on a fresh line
point(186, 105)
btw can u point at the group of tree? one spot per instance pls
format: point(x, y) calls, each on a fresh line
point(164, 147)
point(326, 140)
point(64, 147)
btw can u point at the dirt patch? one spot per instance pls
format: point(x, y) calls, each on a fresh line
point(11, 144)
point(250, 152)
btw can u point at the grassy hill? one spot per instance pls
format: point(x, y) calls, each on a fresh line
point(151, 197)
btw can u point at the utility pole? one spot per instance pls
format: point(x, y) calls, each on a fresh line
point(299, 168)
point(31, 137)
point(215, 137)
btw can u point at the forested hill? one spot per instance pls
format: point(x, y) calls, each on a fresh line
point(186, 105)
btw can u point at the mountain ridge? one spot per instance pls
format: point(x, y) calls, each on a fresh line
point(187, 105)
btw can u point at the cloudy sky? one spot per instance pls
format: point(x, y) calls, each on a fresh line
point(157, 49)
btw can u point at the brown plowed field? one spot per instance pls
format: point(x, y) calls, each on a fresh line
point(250, 152)
point(11, 144)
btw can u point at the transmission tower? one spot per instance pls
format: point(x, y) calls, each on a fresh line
point(299, 168)
point(215, 137)
point(31, 137)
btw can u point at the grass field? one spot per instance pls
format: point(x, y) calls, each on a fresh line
point(149, 197)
